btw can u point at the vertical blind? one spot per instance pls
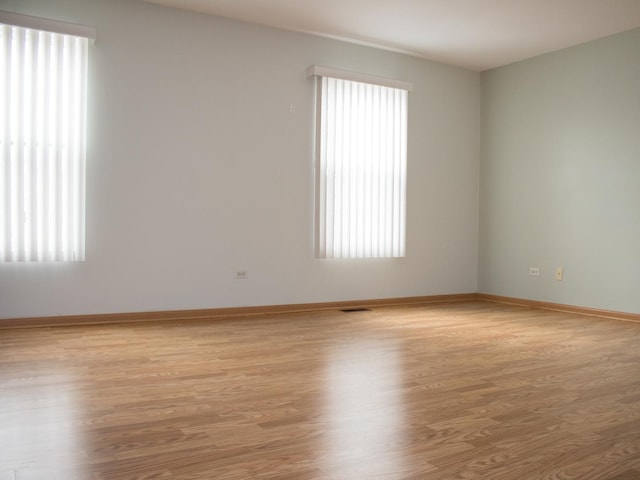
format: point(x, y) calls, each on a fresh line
point(361, 170)
point(42, 145)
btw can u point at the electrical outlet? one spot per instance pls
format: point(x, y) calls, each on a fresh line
point(242, 275)
point(534, 271)
point(559, 273)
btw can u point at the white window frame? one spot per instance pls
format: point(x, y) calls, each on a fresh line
point(43, 91)
point(361, 164)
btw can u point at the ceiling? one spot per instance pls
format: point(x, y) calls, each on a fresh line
point(474, 34)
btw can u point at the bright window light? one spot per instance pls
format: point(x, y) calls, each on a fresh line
point(361, 156)
point(43, 77)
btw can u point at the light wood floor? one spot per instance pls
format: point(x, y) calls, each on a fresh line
point(461, 391)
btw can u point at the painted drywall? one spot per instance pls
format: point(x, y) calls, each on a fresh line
point(560, 176)
point(197, 169)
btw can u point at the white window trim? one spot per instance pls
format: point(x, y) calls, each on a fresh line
point(44, 226)
point(328, 243)
point(320, 71)
point(47, 25)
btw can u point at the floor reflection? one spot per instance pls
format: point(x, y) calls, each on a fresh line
point(364, 412)
point(39, 433)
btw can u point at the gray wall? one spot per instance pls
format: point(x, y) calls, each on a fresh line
point(197, 169)
point(560, 176)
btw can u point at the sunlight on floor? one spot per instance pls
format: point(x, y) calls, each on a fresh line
point(38, 416)
point(364, 410)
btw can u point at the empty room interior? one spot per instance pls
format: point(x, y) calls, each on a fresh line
point(211, 282)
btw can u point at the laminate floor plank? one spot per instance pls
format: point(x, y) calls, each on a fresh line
point(466, 391)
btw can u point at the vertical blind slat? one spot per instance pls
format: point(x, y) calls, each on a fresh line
point(4, 145)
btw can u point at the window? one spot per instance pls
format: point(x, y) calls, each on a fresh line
point(361, 158)
point(43, 76)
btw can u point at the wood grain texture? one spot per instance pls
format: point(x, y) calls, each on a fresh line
point(469, 390)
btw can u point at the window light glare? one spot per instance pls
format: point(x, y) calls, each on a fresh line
point(42, 145)
point(361, 184)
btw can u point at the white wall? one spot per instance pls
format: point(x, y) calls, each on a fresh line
point(560, 176)
point(196, 169)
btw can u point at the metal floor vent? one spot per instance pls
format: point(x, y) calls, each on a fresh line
point(351, 310)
